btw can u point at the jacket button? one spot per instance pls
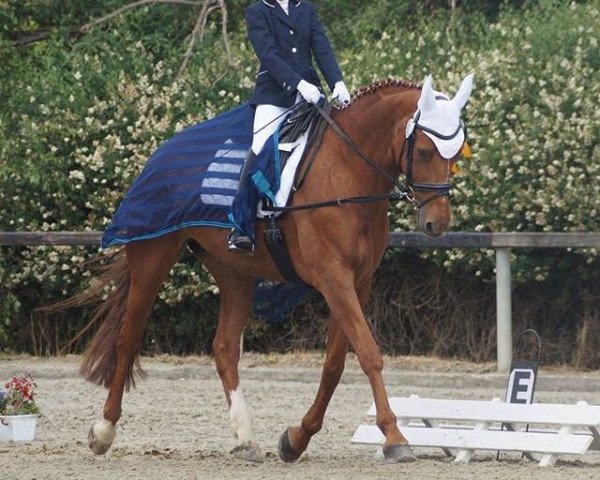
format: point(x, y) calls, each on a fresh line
point(294, 49)
point(291, 32)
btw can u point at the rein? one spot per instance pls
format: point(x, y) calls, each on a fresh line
point(405, 191)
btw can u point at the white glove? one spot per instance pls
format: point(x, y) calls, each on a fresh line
point(309, 92)
point(341, 93)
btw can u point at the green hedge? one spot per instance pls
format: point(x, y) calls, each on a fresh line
point(81, 115)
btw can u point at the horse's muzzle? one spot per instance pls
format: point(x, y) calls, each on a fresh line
point(434, 219)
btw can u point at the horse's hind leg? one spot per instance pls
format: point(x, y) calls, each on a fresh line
point(149, 264)
point(236, 294)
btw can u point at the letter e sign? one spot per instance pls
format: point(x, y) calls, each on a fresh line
point(521, 384)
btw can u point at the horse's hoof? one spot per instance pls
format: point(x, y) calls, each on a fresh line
point(101, 436)
point(249, 451)
point(398, 454)
point(286, 452)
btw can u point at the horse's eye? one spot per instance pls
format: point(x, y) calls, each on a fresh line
point(424, 154)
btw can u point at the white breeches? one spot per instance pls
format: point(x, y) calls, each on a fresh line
point(267, 119)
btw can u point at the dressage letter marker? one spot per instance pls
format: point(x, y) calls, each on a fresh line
point(521, 384)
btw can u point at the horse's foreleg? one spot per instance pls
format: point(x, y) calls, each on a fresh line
point(345, 306)
point(236, 292)
point(149, 263)
point(295, 439)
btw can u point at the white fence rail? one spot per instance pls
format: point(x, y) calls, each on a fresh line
point(569, 429)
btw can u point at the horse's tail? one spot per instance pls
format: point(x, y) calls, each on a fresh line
point(109, 290)
point(100, 357)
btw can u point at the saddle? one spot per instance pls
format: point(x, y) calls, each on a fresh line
point(299, 141)
point(305, 120)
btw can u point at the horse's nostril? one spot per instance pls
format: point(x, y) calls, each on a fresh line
point(429, 228)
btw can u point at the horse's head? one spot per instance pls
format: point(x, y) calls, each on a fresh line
point(434, 138)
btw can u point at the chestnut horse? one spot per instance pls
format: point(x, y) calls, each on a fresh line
point(398, 128)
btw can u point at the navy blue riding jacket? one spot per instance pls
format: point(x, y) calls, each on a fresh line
point(285, 45)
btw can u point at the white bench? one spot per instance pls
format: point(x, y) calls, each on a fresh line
point(575, 428)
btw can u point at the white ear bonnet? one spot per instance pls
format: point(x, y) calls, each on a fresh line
point(439, 117)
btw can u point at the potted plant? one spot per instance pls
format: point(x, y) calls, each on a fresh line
point(18, 411)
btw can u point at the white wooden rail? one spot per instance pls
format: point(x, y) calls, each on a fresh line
point(576, 427)
point(502, 243)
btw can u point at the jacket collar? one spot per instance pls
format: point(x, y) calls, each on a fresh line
point(295, 12)
point(273, 3)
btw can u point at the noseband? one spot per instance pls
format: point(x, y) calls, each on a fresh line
point(410, 186)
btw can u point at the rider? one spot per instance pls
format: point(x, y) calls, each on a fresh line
point(285, 35)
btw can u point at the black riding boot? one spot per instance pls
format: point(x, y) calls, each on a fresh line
point(243, 213)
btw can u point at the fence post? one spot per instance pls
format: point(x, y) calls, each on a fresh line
point(503, 309)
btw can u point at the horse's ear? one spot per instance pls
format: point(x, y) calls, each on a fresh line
point(464, 92)
point(427, 100)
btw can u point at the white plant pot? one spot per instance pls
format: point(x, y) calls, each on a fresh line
point(17, 428)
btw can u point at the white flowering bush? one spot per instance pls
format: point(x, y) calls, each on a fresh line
point(78, 124)
point(533, 119)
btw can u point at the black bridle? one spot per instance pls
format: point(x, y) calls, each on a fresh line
point(405, 192)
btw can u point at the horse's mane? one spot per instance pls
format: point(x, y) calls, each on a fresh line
point(379, 85)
